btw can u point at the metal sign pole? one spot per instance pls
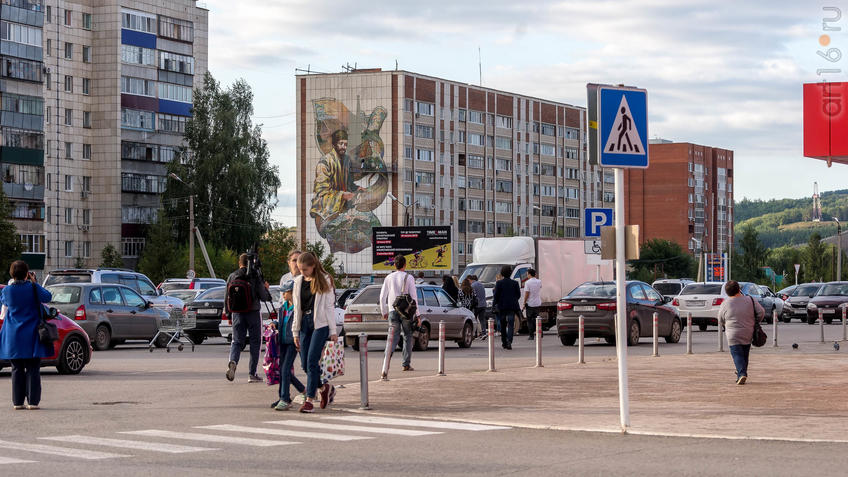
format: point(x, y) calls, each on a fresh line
point(621, 301)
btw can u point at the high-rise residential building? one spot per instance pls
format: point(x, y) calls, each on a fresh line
point(686, 195)
point(391, 148)
point(118, 80)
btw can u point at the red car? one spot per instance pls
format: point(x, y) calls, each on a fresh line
point(71, 352)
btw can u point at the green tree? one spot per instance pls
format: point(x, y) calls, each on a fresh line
point(753, 255)
point(816, 259)
point(160, 259)
point(660, 258)
point(226, 163)
point(110, 258)
point(224, 261)
point(11, 247)
point(274, 251)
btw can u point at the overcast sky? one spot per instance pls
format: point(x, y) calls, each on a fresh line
point(719, 73)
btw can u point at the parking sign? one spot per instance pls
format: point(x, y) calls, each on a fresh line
point(594, 220)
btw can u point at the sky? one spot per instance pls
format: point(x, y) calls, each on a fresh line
point(718, 73)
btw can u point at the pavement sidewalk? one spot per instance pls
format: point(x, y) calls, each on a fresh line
point(788, 396)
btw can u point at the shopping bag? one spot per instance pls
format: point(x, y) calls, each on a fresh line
point(332, 360)
point(271, 363)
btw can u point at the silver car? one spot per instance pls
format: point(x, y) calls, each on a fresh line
point(435, 305)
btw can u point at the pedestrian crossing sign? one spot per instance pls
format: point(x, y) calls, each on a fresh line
point(623, 127)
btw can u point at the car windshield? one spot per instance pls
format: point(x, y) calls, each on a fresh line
point(702, 289)
point(64, 295)
point(368, 296)
point(485, 273)
point(834, 289)
point(605, 290)
point(213, 294)
point(184, 295)
point(67, 278)
point(806, 290)
point(667, 289)
point(170, 286)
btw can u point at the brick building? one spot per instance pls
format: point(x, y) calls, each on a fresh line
point(686, 195)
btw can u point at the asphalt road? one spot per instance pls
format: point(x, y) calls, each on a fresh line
point(121, 414)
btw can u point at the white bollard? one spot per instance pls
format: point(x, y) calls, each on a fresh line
point(656, 335)
point(689, 333)
point(774, 328)
point(441, 348)
point(821, 324)
point(539, 342)
point(844, 326)
point(491, 338)
point(581, 334)
point(387, 357)
point(363, 371)
point(720, 336)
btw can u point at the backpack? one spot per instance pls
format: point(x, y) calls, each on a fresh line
point(239, 295)
point(404, 304)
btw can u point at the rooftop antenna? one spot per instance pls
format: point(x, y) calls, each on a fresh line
point(817, 212)
point(480, 65)
point(349, 68)
point(396, 64)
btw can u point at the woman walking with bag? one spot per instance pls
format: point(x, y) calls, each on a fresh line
point(739, 314)
point(19, 341)
point(313, 324)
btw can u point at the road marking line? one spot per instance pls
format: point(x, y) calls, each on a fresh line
point(283, 432)
point(191, 436)
point(392, 421)
point(60, 451)
point(344, 427)
point(137, 445)
point(9, 460)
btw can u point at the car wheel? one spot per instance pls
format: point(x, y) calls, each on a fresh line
point(567, 340)
point(102, 338)
point(674, 337)
point(423, 341)
point(633, 334)
point(786, 318)
point(73, 356)
point(196, 338)
point(467, 336)
point(702, 326)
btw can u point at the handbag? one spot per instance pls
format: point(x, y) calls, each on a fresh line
point(759, 338)
point(332, 360)
point(404, 304)
point(48, 333)
point(271, 362)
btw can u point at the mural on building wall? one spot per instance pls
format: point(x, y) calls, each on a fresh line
point(351, 179)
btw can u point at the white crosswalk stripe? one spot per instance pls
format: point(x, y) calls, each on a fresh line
point(283, 432)
point(392, 421)
point(194, 436)
point(60, 451)
point(9, 460)
point(137, 445)
point(344, 427)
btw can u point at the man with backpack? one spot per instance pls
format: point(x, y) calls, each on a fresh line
point(400, 294)
point(246, 290)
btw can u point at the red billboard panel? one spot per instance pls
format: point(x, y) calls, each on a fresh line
point(826, 122)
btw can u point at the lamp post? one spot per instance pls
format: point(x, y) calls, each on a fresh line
point(405, 208)
point(838, 250)
point(190, 223)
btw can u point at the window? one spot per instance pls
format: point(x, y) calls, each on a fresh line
point(49, 48)
point(503, 164)
point(571, 173)
point(422, 131)
point(138, 215)
point(137, 86)
point(475, 182)
point(461, 137)
point(460, 181)
point(69, 84)
point(68, 148)
point(132, 246)
point(69, 248)
point(475, 139)
point(503, 122)
point(22, 34)
point(407, 152)
point(407, 175)
point(572, 193)
point(572, 133)
point(137, 55)
point(142, 183)
point(175, 92)
point(572, 232)
point(21, 69)
point(503, 207)
point(572, 213)
point(475, 117)
point(548, 129)
point(69, 183)
point(174, 28)
point(503, 186)
point(425, 109)
point(86, 151)
point(138, 21)
point(69, 51)
point(86, 119)
point(86, 249)
point(503, 142)
point(69, 215)
point(68, 15)
point(69, 115)
point(609, 197)
point(22, 139)
point(424, 155)
point(475, 204)
point(132, 298)
point(86, 183)
point(48, 14)
point(176, 63)
point(476, 161)
point(32, 243)
point(86, 54)
point(424, 177)
point(86, 86)
point(86, 21)
point(548, 149)
point(17, 103)
point(132, 118)
point(407, 129)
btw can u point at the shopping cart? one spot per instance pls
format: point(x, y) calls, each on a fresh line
point(174, 324)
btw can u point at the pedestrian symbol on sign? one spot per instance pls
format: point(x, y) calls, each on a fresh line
point(624, 137)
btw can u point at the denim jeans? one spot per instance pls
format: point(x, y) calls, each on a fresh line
point(531, 313)
point(287, 378)
point(480, 313)
point(507, 322)
point(740, 358)
point(26, 381)
point(249, 323)
point(312, 343)
point(405, 326)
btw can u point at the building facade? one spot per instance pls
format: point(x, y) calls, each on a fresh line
point(389, 148)
point(117, 91)
point(686, 195)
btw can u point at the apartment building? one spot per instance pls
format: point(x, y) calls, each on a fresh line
point(391, 148)
point(686, 195)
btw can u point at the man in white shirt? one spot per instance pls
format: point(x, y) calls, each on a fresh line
point(532, 301)
point(398, 283)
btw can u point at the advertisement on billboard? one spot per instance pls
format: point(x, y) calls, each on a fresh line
point(425, 248)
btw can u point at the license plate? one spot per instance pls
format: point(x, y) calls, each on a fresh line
point(828, 312)
point(207, 311)
point(696, 303)
point(584, 308)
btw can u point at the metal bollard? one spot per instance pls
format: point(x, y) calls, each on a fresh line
point(656, 334)
point(491, 339)
point(539, 342)
point(363, 371)
point(774, 328)
point(821, 324)
point(441, 348)
point(689, 333)
point(720, 340)
point(390, 348)
point(844, 326)
point(581, 334)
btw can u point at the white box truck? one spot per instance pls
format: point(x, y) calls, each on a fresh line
point(561, 265)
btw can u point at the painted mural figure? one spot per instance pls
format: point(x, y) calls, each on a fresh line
point(334, 190)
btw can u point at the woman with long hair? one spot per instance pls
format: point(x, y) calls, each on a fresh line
point(314, 323)
point(449, 286)
point(467, 297)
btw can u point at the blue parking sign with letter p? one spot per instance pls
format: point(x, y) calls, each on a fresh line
point(595, 219)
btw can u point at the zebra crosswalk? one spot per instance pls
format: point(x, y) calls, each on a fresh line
point(125, 444)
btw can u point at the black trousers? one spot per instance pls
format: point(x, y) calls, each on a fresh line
point(26, 381)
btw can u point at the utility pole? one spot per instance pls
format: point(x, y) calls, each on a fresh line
point(838, 250)
point(191, 233)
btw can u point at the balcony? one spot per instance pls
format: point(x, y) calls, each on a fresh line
point(23, 191)
point(19, 155)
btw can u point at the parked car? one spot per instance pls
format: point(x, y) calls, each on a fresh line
point(137, 281)
point(187, 296)
point(71, 352)
point(363, 315)
point(671, 287)
point(776, 300)
point(829, 300)
point(786, 292)
point(210, 310)
point(109, 314)
point(796, 305)
point(191, 284)
point(756, 292)
point(596, 301)
point(702, 299)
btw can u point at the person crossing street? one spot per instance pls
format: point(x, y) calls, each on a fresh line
point(399, 283)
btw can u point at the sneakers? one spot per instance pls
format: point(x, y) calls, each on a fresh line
point(300, 398)
point(254, 379)
point(307, 408)
point(274, 404)
point(231, 370)
point(19, 408)
point(33, 408)
point(741, 380)
point(384, 376)
point(325, 395)
point(283, 406)
point(408, 368)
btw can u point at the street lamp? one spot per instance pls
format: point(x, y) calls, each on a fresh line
point(405, 207)
point(191, 222)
